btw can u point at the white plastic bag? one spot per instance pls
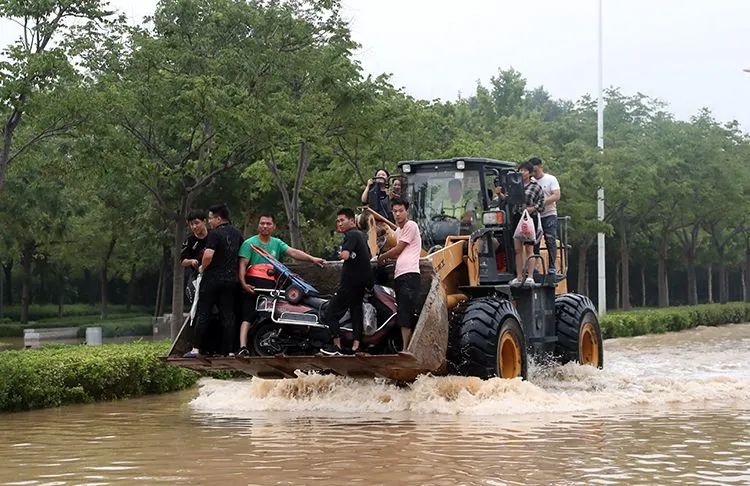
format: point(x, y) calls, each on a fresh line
point(526, 230)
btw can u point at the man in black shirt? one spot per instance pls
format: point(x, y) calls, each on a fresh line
point(219, 284)
point(191, 254)
point(356, 278)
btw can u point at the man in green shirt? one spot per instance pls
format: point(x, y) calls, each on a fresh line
point(254, 270)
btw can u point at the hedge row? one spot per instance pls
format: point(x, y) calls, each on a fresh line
point(49, 311)
point(112, 327)
point(61, 375)
point(656, 321)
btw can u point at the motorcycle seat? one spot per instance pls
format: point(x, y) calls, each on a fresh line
point(314, 302)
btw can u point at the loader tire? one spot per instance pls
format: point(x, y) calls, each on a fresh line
point(487, 340)
point(579, 336)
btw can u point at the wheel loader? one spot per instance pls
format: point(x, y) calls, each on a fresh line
point(472, 321)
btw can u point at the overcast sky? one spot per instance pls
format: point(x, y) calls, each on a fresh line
point(689, 53)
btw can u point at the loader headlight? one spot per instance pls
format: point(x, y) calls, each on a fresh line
point(460, 165)
point(406, 168)
point(492, 218)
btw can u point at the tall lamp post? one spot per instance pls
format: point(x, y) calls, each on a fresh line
point(601, 269)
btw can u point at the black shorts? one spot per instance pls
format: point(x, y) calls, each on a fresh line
point(249, 300)
point(407, 288)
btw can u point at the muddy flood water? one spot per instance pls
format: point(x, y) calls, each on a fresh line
point(666, 409)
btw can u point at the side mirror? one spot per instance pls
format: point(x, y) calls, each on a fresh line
point(514, 189)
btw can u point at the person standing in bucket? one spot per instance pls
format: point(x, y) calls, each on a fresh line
point(356, 279)
point(256, 272)
point(407, 277)
point(219, 283)
point(191, 253)
point(551, 188)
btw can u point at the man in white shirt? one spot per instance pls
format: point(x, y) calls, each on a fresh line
point(551, 189)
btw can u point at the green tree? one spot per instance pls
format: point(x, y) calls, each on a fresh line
point(36, 65)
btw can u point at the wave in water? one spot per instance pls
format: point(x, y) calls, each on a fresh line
point(672, 374)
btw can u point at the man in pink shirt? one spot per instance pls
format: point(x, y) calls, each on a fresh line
point(407, 278)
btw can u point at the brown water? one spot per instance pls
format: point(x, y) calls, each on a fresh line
point(667, 409)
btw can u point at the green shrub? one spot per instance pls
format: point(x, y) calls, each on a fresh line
point(654, 321)
point(125, 325)
point(60, 375)
point(11, 330)
point(139, 326)
point(49, 311)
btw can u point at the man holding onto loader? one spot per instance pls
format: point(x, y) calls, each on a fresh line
point(407, 279)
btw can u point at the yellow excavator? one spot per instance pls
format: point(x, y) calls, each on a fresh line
point(472, 322)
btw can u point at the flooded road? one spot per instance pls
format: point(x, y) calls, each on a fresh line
point(673, 408)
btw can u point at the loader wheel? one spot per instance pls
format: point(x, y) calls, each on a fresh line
point(487, 340)
point(579, 337)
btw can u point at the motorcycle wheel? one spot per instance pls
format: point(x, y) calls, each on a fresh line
point(264, 339)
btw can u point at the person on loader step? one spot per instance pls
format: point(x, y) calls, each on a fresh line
point(356, 279)
point(256, 272)
point(407, 277)
point(534, 204)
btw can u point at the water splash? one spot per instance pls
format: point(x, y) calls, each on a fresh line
point(690, 369)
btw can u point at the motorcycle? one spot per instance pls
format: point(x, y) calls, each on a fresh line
point(289, 318)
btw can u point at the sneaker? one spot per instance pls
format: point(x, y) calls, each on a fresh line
point(515, 283)
point(529, 282)
point(331, 350)
point(230, 355)
point(194, 353)
point(243, 352)
point(552, 272)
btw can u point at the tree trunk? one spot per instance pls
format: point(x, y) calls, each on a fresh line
point(131, 289)
point(63, 281)
point(618, 294)
point(158, 308)
point(2, 298)
point(583, 270)
point(292, 201)
point(178, 276)
point(723, 287)
point(692, 282)
point(104, 278)
point(643, 285)
point(710, 277)
point(104, 302)
point(661, 280)
point(625, 272)
point(747, 268)
point(27, 260)
point(11, 123)
point(744, 285)
point(8, 273)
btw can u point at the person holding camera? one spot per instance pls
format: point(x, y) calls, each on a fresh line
point(375, 195)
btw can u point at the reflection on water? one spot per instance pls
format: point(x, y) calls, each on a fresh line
point(668, 409)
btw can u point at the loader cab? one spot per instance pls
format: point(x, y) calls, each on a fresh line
point(453, 197)
point(448, 197)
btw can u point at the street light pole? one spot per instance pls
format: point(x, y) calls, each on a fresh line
point(601, 268)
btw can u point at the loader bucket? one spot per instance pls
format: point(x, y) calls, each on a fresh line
point(425, 354)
